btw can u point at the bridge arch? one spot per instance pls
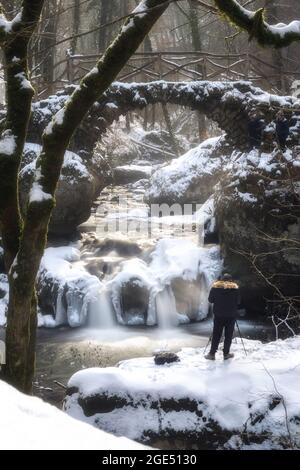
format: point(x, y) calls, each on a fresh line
point(226, 103)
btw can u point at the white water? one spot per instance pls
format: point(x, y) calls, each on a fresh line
point(175, 253)
point(166, 309)
point(101, 311)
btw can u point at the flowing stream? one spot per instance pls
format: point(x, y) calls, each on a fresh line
point(63, 351)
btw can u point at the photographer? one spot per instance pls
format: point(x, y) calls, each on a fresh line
point(225, 297)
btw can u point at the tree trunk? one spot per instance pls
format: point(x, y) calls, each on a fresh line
point(19, 369)
point(19, 95)
point(76, 25)
point(170, 129)
point(47, 44)
point(103, 19)
point(277, 54)
point(197, 46)
point(147, 48)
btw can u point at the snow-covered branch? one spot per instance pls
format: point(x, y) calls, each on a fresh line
point(23, 23)
point(279, 35)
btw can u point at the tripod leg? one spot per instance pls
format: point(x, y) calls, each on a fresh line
point(238, 328)
point(209, 340)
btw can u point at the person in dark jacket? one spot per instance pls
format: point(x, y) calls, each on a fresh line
point(282, 129)
point(225, 297)
point(256, 126)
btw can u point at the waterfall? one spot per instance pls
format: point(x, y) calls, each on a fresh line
point(203, 298)
point(166, 309)
point(101, 311)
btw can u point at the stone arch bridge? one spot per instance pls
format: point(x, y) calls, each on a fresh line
point(226, 103)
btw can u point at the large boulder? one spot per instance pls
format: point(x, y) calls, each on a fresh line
point(67, 294)
point(189, 178)
point(79, 185)
point(196, 404)
point(258, 219)
point(130, 174)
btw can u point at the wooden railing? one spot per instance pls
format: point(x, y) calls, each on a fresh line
point(175, 66)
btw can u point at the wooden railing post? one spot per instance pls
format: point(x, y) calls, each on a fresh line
point(248, 65)
point(204, 68)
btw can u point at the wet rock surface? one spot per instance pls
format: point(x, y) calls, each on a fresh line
point(166, 357)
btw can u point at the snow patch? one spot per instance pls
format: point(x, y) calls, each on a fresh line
point(57, 120)
point(32, 424)
point(4, 291)
point(7, 143)
point(24, 82)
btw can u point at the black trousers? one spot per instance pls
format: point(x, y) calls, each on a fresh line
point(221, 323)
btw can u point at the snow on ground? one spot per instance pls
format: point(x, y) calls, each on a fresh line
point(28, 423)
point(258, 394)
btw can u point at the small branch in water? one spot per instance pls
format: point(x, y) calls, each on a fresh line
point(153, 147)
point(60, 384)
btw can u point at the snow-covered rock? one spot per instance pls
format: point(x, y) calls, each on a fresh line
point(251, 400)
point(28, 423)
point(121, 146)
point(131, 173)
point(67, 292)
point(257, 213)
point(79, 185)
point(189, 178)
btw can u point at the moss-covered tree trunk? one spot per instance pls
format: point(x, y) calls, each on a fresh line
point(14, 37)
point(76, 25)
point(20, 337)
